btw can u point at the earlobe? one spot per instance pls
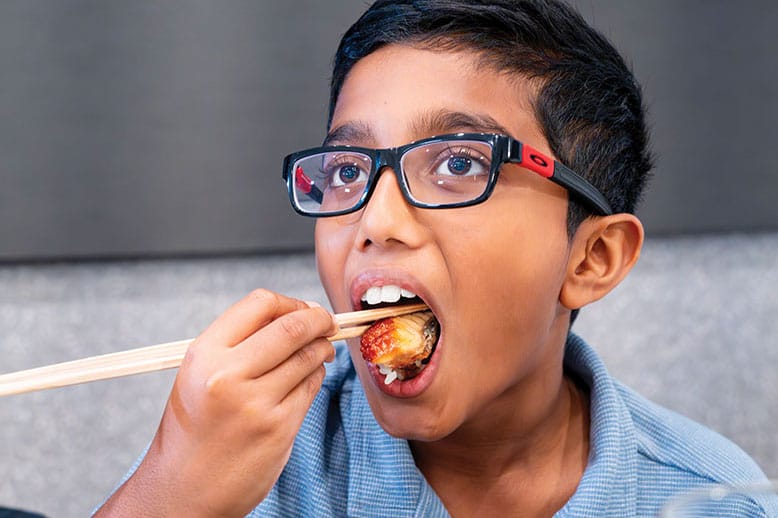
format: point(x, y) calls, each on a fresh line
point(603, 251)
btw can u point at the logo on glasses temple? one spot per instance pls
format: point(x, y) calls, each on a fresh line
point(538, 160)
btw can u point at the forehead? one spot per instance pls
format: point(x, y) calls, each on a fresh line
point(400, 93)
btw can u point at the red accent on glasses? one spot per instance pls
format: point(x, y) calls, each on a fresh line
point(304, 183)
point(536, 161)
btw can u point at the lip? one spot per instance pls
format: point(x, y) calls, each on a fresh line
point(398, 277)
point(383, 277)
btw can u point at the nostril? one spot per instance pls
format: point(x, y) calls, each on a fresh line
point(365, 244)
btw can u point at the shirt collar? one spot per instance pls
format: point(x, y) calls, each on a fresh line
point(609, 483)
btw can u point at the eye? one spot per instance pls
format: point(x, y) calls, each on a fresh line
point(459, 164)
point(463, 162)
point(348, 173)
point(343, 170)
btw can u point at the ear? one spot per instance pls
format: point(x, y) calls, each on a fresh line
point(602, 253)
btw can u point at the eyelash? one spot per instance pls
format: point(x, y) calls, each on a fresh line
point(449, 152)
point(333, 165)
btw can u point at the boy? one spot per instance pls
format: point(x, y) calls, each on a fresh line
point(441, 178)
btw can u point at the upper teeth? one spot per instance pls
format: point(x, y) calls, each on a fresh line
point(388, 293)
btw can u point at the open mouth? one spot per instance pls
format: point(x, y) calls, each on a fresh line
point(400, 347)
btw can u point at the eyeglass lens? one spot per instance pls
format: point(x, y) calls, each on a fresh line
point(434, 173)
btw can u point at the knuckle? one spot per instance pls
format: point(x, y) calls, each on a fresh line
point(189, 356)
point(263, 296)
point(314, 381)
point(305, 356)
point(273, 418)
point(216, 384)
point(294, 327)
point(321, 372)
point(324, 319)
point(321, 348)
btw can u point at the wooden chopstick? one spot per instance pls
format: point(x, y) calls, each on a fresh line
point(158, 357)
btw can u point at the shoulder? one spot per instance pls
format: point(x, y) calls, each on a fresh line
point(674, 452)
point(672, 440)
point(662, 437)
point(644, 455)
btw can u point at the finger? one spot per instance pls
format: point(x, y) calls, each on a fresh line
point(300, 398)
point(282, 338)
point(279, 382)
point(245, 317)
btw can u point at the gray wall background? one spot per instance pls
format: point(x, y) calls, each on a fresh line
point(150, 128)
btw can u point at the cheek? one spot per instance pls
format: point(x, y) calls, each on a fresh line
point(502, 261)
point(332, 245)
point(507, 279)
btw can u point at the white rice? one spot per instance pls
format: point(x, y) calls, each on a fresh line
point(387, 371)
point(391, 374)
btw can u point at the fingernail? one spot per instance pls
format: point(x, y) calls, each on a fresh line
point(314, 304)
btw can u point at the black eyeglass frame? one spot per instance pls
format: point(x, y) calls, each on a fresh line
point(505, 150)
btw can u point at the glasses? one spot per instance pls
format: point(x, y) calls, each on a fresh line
point(442, 172)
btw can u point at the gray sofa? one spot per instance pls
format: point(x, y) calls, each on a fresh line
point(694, 328)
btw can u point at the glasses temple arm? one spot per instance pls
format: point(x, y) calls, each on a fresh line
point(576, 184)
point(529, 157)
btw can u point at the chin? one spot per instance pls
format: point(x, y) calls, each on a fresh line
point(414, 430)
point(412, 421)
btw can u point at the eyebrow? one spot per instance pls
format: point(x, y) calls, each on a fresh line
point(350, 133)
point(427, 124)
point(447, 121)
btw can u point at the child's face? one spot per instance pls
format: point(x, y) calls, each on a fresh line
point(491, 273)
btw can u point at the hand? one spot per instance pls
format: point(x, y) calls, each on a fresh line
point(237, 403)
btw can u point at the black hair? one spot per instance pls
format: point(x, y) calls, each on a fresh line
point(587, 103)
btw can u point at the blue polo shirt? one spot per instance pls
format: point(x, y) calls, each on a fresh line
point(641, 455)
point(344, 464)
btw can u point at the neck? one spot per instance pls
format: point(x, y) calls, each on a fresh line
point(530, 446)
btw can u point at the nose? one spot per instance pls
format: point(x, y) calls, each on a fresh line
point(387, 219)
